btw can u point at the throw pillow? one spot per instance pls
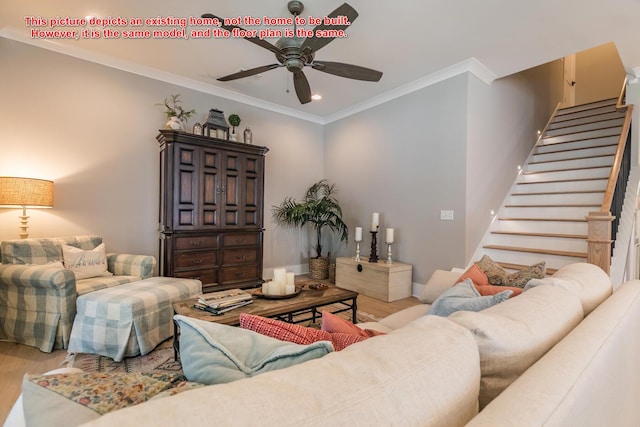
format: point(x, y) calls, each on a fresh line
point(498, 276)
point(476, 275)
point(212, 353)
point(492, 290)
point(335, 324)
point(85, 264)
point(465, 297)
point(297, 334)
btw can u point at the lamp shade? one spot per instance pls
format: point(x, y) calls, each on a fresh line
point(26, 192)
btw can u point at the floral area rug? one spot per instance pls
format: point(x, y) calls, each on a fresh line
point(161, 360)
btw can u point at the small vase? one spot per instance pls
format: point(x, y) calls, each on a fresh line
point(248, 136)
point(174, 123)
point(232, 137)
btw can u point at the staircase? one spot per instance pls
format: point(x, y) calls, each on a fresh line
point(565, 178)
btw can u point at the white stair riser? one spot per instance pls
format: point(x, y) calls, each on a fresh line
point(587, 152)
point(595, 142)
point(553, 212)
point(533, 187)
point(550, 243)
point(574, 174)
point(562, 198)
point(585, 127)
point(571, 164)
point(542, 226)
point(523, 258)
point(559, 123)
point(582, 135)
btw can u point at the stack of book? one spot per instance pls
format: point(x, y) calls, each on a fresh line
point(223, 301)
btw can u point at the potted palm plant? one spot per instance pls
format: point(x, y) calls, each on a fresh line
point(320, 209)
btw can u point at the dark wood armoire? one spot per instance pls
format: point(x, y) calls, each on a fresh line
point(211, 210)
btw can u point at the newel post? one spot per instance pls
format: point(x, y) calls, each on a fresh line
point(599, 239)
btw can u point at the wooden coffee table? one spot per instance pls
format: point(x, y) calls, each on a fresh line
point(300, 308)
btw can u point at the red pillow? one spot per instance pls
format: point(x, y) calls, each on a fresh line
point(332, 323)
point(297, 334)
point(476, 275)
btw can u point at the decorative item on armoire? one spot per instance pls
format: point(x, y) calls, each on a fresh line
point(197, 129)
point(177, 116)
point(234, 120)
point(216, 126)
point(248, 136)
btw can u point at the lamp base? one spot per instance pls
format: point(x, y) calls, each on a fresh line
point(24, 220)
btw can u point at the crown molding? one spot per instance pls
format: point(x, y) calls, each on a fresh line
point(154, 73)
point(471, 65)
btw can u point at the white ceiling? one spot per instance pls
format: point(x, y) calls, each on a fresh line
point(412, 42)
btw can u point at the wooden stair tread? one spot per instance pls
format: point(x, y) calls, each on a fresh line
point(580, 139)
point(563, 180)
point(547, 193)
point(566, 150)
point(567, 159)
point(585, 205)
point(510, 266)
point(559, 235)
point(565, 170)
point(542, 219)
point(538, 251)
point(603, 121)
point(587, 116)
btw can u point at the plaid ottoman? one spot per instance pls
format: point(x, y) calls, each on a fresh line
point(129, 319)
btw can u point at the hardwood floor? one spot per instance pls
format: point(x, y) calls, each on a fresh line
point(17, 359)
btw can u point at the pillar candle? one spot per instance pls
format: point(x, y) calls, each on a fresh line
point(358, 234)
point(291, 279)
point(265, 288)
point(389, 235)
point(279, 275)
point(290, 289)
point(375, 220)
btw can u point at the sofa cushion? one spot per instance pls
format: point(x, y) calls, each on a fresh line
point(439, 282)
point(212, 353)
point(384, 381)
point(586, 281)
point(513, 335)
point(297, 334)
point(42, 251)
point(465, 296)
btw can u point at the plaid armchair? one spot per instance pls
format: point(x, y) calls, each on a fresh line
point(38, 301)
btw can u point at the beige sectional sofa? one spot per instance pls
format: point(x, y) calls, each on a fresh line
point(533, 360)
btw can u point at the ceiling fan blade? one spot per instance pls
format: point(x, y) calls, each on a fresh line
point(255, 40)
point(316, 43)
point(301, 84)
point(250, 72)
point(347, 70)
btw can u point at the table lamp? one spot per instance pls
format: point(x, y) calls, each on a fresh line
point(26, 193)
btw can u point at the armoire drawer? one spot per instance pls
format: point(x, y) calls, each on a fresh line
point(205, 276)
point(196, 242)
point(196, 259)
point(239, 256)
point(239, 274)
point(240, 239)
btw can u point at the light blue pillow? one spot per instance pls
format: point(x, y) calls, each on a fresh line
point(212, 353)
point(465, 297)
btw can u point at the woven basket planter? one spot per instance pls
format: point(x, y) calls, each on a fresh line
point(318, 268)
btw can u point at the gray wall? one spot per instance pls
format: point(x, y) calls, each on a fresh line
point(406, 160)
point(92, 130)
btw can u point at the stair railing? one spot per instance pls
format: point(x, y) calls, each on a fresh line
point(603, 224)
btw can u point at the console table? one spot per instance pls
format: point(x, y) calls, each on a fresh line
point(386, 282)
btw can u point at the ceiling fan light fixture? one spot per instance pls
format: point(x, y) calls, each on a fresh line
point(316, 97)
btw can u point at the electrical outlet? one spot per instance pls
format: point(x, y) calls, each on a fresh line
point(446, 215)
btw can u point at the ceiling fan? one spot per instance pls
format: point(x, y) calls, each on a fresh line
point(295, 53)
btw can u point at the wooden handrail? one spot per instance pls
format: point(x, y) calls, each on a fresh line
point(617, 161)
point(623, 91)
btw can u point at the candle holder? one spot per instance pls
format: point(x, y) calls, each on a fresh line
point(389, 259)
point(373, 256)
point(358, 251)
